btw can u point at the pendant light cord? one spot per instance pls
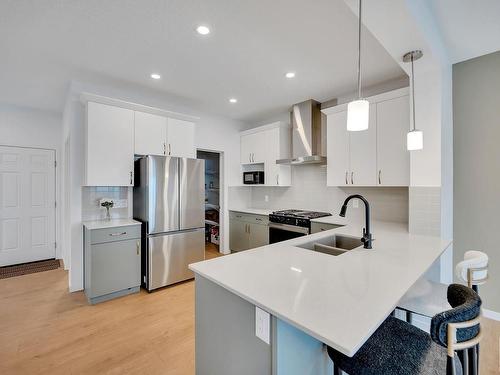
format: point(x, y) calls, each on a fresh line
point(413, 92)
point(359, 52)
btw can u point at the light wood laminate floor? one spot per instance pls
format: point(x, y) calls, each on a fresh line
point(46, 330)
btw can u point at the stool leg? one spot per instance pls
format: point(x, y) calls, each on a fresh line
point(408, 317)
point(474, 361)
point(336, 370)
point(465, 362)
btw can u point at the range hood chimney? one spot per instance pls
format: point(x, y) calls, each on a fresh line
point(307, 137)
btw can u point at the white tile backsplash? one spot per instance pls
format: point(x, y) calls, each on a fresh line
point(425, 208)
point(91, 195)
point(309, 191)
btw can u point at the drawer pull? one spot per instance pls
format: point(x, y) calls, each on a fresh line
point(117, 234)
point(138, 247)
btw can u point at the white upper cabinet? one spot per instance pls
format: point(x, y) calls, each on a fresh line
point(252, 148)
point(278, 147)
point(338, 169)
point(261, 147)
point(109, 148)
point(373, 157)
point(393, 159)
point(363, 153)
point(180, 138)
point(159, 135)
point(150, 134)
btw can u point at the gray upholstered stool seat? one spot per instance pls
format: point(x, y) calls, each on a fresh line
point(396, 348)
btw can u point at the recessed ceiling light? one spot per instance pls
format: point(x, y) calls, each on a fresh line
point(233, 100)
point(203, 30)
point(155, 76)
point(290, 75)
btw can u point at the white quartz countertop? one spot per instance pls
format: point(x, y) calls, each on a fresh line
point(339, 300)
point(255, 211)
point(101, 224)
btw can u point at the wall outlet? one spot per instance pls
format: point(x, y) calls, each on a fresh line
point(263, 325)
point(266, 198)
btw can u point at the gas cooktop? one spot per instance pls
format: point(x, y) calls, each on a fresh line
point(302, 214)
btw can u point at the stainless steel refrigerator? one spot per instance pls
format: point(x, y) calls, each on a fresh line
point(169, 201)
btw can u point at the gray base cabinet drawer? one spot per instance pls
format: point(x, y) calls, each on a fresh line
point(112, 262)
point(116, 234)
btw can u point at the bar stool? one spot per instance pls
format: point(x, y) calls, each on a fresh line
point(428, 298)
point(397, 347)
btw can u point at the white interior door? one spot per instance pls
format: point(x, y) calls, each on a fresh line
point(27, 205)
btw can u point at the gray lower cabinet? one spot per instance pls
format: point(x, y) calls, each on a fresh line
point(112, 259)
point(247, 231)
point(320, 227)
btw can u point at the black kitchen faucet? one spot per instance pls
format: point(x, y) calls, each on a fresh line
point(367, 236)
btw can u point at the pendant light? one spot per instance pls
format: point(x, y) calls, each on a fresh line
point(358, 110)
point(414, 138)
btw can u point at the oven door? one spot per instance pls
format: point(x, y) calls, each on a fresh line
point(282, 232)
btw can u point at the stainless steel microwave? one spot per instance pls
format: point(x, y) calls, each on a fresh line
point(253, 178)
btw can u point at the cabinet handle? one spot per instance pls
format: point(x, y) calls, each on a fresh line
point(138, 247)
point(248, 228)
point(164, 148)
point(131, 178)
point(352, 178)
point(346, 181)
point(169, 149)
point(118, 234)
point(250, 157)
point(379, 180)
point(277, 179)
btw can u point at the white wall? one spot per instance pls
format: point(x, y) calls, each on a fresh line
point(212, 133)
point(27, 127)
point(476, 107)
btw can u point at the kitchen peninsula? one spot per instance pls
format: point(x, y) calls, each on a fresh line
point(312, 298)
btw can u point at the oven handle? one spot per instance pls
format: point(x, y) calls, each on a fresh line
point(289, 228)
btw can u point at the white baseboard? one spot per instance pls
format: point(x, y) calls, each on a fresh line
point(490, 314)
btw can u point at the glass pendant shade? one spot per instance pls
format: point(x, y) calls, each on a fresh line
point(415, 140)
point(358, 112)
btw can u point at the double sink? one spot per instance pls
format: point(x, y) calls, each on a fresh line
point(333, 245)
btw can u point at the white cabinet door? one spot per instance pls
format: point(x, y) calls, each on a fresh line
point(393, 160)
point(275, 174)
point(180, 138)
point(259, 150)
point(363, 153)
point(110, 146)
point(338, 171)
point(150, 134)
point(27, 205)
point(249, 146)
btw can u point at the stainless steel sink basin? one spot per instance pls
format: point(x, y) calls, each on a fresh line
point(333, 245)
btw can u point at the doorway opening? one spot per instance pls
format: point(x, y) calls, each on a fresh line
point(213, 188)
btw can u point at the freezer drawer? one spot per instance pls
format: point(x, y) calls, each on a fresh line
point(169, 256)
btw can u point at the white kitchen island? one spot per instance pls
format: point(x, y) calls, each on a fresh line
point(336, 300)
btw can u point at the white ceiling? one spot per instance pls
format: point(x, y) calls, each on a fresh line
point(469, 28)
point(46, 43)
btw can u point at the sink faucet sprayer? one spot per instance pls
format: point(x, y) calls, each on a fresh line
point(367, 236)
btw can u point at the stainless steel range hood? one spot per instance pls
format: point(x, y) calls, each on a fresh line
point(307, 137)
